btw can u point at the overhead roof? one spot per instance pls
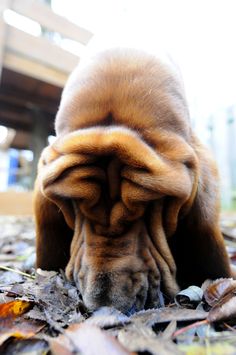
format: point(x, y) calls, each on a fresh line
point(20, 97)
point(33, 69)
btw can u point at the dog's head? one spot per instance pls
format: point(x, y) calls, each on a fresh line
point(122, 199)
point(121, 171)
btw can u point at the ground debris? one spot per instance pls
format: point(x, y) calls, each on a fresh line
point(52, 295)
point(56, 320)
point(151, 317)
point(107, 317)
point(77, 340)
point(144, 339)
point(189, 297)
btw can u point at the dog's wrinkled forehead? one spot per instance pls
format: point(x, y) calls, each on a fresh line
point(109, 181)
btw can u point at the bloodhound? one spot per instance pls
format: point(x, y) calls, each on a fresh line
point(127, 198)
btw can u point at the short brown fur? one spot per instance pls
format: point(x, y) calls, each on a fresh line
point(127, 197)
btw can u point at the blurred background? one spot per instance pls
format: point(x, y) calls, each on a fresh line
point(42, 41)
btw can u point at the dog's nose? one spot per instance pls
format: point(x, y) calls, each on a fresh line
point(101, 290)
point(99, 296)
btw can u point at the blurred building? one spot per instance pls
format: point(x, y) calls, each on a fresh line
point(34, 67)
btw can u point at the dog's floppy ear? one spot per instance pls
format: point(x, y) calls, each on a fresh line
point(53, 236)
point(198, 245)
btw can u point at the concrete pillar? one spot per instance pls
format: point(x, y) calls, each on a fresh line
point(39, 139)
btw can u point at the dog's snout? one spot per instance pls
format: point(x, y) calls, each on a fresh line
point(122, 281)
point(97, 291)
point(113, 289)
point(101, 288)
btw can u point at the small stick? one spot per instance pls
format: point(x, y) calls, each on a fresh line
point(229, 327)
point(6, 268)
point(191, 326)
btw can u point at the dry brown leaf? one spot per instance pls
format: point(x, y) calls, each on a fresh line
point(166, 315)
point(25, 347)
point(225, 309)
point(52, 293)
point(87, 339)
point(219, 289)
point(107, 317)
point(169, 330)
point(190, 297)
point(143, 339)
point(19, 328)
point(14, 309)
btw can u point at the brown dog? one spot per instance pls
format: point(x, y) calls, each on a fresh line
point(126, 197)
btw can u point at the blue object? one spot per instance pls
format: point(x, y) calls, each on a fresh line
point(13, 165)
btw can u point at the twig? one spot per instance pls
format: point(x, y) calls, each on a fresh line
point(191, 326)
point(6, 268)
point(229, 327)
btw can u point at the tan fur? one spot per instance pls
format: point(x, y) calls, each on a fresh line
point(127, 186)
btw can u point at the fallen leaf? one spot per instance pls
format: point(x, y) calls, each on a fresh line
point(143, 339)
point(165, 315)
point(88, 340)
point(36, 314)
point(14, 309)
point(169, 330)
point(19, 328)
point(205, 284)
point(52, 294)
point(190, 297)
point(9, 277)
point(25, 347)
point(107, 317)
point(225, 309)
point(218, 289)
point(45, 273)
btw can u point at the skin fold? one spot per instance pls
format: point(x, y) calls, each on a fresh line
point(126, 199)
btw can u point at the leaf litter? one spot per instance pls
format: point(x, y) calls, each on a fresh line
point(41, 312)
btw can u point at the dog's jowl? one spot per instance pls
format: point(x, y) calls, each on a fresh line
point(126, 198)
